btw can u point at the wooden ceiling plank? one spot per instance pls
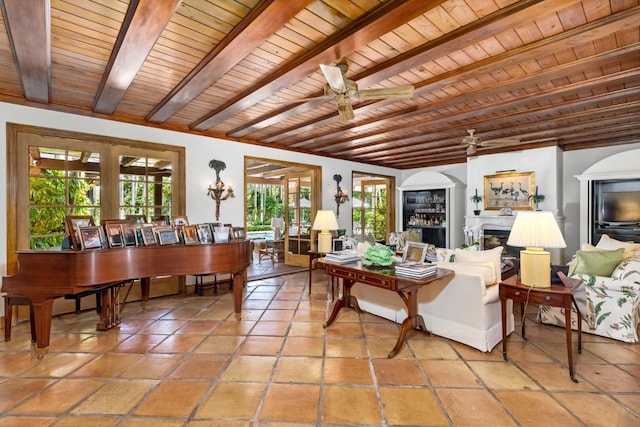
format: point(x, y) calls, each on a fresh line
point(549, 114)
point(472, 71)
point(259, 24)
point(144, 22)
point(28, 27)
point(462, 37)
point(371, 26)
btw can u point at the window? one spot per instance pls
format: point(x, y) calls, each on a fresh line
point(53, 173)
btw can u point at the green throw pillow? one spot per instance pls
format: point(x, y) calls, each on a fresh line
point(597, 263)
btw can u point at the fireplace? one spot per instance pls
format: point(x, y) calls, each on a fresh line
point(495, 238)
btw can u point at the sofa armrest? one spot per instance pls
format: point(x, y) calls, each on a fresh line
point(609, 283)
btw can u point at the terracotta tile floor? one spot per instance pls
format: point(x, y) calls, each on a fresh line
point(186, 361)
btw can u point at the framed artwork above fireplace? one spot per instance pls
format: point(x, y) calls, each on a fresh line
point(508, 190)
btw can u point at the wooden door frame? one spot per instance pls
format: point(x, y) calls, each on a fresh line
point(316, 193)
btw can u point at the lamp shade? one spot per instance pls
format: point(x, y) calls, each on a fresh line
point(325, 220)
point(277, 222)
point(536, 229)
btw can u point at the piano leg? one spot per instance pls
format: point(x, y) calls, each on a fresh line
point(110, 311)
point(144, 291)
point(42, 309)
point(238, 289)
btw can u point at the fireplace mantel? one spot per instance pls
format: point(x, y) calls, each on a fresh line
point(493, 222)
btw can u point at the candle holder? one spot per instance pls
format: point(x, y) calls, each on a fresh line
point(341, 195)
point(217, 192)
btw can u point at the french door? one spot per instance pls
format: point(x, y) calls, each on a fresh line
point(300, 211)
point(373, 208)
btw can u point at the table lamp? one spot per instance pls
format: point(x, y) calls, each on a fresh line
point(277, 224)
point(325, 221)
point(535, 231)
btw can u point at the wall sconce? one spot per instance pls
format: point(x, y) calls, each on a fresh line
point(341, 195)
point(216, 192)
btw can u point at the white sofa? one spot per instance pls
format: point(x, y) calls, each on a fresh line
point(464, 310)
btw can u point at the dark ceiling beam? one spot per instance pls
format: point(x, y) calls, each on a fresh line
point(586, 32)
point(261, 23)
point(28, 26)
point(508, 17)
point(379, 21)
point(143, 23)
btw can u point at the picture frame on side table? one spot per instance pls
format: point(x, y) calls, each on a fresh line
point(414, 251)
point(338, 245)
point(508, 190)
point(90, 237)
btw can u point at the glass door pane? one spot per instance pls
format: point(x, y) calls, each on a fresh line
point(299, 216)
point(371, 212)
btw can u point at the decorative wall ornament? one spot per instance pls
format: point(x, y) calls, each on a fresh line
point(341, 195)
point(216, 191)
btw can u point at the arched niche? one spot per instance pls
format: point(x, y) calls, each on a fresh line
point(617, 166)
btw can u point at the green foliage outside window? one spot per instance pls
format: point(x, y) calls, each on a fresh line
point(48, 206)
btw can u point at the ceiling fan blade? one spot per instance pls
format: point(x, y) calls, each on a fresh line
point(345, 110)
point(499, 142)
point(295, 101)
point(388, 92)
point(334, 77)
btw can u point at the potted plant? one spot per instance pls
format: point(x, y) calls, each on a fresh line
point(536, 198)
point(476, 199)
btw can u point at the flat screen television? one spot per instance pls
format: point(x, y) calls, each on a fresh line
point(620, 207)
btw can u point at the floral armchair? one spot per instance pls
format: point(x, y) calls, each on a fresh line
point(613, 304)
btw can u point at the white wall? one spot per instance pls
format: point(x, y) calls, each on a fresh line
point(555, 170)
point(199, 151)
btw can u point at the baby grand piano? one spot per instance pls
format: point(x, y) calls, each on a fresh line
point(43, 276)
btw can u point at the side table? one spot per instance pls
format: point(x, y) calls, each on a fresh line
point(314, 255)
point(555, 296)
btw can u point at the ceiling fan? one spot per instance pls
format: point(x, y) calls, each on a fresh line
point(344, 90)
point(473, 142)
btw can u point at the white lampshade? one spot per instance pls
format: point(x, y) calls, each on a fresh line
point(277, 224)
point(325, 221)
point(535, 231)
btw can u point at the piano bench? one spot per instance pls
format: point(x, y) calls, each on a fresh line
point(9, 302)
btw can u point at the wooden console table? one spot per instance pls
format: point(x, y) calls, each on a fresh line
point(386, 279)
point(555, 296)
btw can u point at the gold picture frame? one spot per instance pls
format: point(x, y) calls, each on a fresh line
point(508, 190)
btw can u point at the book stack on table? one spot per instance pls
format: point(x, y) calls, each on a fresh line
point(342, 257)
point(415, 269)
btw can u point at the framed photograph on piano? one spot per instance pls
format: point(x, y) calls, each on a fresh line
point(90, 237)
point(167, 236)
point(114, 235)
point(148, 236)
point(74, 222)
